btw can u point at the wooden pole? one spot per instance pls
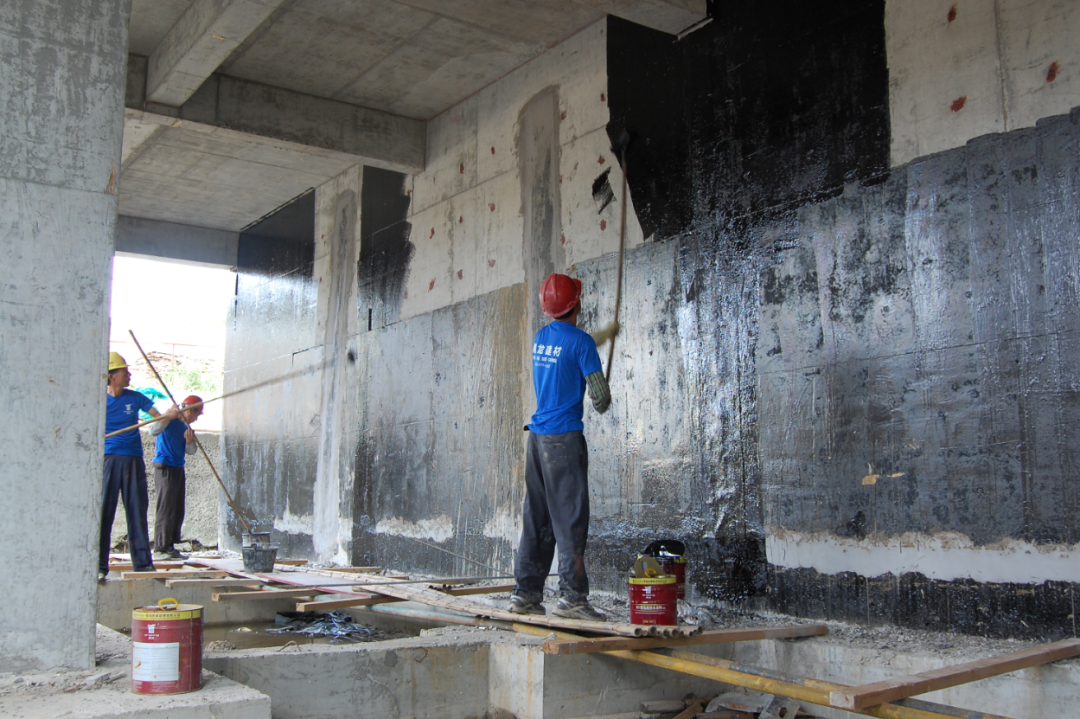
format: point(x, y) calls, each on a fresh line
point(618, 284)
point(914, 684)
point(247, 527)
point(154, 420)
point(718, 636)
point(257, 385)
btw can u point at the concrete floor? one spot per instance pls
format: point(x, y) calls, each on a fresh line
point(459, 672)
point(104, 692)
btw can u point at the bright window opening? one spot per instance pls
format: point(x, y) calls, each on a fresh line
point(178, 314)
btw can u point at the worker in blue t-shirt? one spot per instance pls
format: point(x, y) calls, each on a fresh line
point(556, 510)
point(124, 470)
point(175, 440)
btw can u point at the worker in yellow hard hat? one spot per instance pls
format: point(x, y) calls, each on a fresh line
point(124, 469)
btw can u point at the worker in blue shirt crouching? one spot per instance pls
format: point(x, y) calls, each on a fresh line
point(556, 509)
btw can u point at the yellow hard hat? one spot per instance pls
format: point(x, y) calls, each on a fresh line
point(116, 361)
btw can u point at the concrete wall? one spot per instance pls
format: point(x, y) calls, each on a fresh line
point(457, 677)
point(409, 678)
point(463, 674)
point(270, 434)
point(201, 502)
point(440, 239)
point(61, 120)
point(958, 70)
point(843, 382)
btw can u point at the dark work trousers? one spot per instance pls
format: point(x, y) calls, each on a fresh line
point(170, 485)
point(125, 476)
point(556, 512)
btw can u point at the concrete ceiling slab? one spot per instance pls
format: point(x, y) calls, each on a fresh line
point(435, 70)
point(320, 48)
point(535, 22)
point(204, 36)
point(151, 20)
point(410, 57)
point(207, 176)
point(670, 16)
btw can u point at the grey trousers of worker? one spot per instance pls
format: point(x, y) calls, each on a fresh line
point(170, 484)
point(556, 512)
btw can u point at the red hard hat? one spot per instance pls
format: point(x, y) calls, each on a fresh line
point(190, 400)
point(559, 294)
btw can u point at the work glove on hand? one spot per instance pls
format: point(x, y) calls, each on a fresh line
point(609, 332)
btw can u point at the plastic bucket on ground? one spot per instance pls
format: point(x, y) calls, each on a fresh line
point(259, 559)
point(652, 600)
point(166, 648)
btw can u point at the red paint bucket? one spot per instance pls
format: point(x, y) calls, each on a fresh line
point(652, 600)
point(166, 648)
point(670, 554)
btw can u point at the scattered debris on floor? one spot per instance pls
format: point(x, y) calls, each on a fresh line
point(738, 704)
point(338, 626)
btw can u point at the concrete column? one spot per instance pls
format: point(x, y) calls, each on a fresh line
point(62, 69)
point(337, 250)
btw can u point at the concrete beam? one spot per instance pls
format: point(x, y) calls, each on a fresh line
point(670, 16)
point(204, 36)
point(374, 137)
point(186, 244)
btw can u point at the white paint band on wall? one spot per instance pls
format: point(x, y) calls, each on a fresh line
point(437, 529)
point(946, 557)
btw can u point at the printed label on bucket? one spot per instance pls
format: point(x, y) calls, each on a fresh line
point(155, 662)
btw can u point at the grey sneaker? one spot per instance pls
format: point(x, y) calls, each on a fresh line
point(519, 605)
point(161, 554)
point(577, 610)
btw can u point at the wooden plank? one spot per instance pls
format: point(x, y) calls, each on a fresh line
point(302, 577)
point(692, 710)
point(128, 566)
point(162, 574)
point(891, 690)
point(465, 591)
point(718, 636)
point(379, 585)
point(360, 570)
point(332, 604)
point(219, 582)
point(291, 562)
point(263, 594)
point(810, 691)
